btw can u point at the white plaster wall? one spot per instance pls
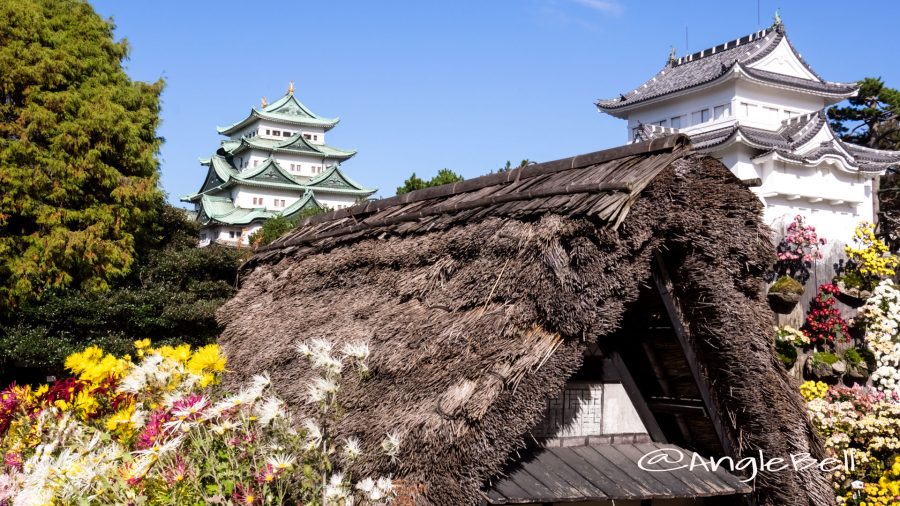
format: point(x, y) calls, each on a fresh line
point(263, 125)
point(685, 105)
point(243, 197)
point(766, 96)
point(306, 164)
point(798, 187)
point(335, 200)
point(591, 409)
point(738, 158)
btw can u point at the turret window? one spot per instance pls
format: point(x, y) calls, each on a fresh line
point(676, 121)
point(698, 117)
point(307, 136)
point(721, 111)
point(279, 202)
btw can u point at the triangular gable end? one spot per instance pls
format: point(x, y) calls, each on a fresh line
point(783, 60)
point(289, 105)
point(335, 178)
point(270, 172)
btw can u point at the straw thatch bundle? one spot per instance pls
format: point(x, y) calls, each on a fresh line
point(478, 300)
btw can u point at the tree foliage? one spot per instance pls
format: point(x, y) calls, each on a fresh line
point(274, 228)
point(869, 118)
point(78, 146)
point(444, 176)
point(171, 295)
point(508, 167)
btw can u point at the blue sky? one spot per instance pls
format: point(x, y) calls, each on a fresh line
point(467, 85)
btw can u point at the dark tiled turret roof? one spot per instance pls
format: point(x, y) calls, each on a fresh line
point(711, 64)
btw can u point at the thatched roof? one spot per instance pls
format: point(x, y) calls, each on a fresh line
point(478, 301)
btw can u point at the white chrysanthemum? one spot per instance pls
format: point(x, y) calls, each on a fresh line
point(268, 410)
point(391, 444)
point(351, 448)
point(365, 485)
point(313, 434)
point(319, 389)
point(358, 350)
point(281, 461)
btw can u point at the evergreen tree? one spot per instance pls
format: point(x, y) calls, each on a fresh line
point(870, 118)
point(444, 176)
point(78, 147)
point(170, 296)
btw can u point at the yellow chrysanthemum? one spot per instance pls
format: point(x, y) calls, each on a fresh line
point(180, 353)
point(120, 422)
point(85, 404)
point(207, 359)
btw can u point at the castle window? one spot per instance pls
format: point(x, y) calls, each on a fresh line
point(749, 110)
point(306, 136)
point(268, 132)
point(231, 234)
point(315, 137)
point(701, 116)
point(676, 121)
point(662, 123)
point(721, 111)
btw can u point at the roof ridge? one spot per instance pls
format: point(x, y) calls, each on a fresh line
point(659, 144)
point(740, 41)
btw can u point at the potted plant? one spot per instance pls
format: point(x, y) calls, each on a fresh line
point(824, 324)
point(868, 262)
point(787, 340)
point(784, 294)
point(825, 365)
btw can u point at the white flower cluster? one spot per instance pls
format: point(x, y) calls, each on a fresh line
point(881, 315)
point(789, 334)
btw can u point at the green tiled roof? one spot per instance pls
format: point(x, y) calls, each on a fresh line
point(296, 144)
point(307, 201)
point(335, 179)
point(269, 174)
point(288, 110)
point(222, 210)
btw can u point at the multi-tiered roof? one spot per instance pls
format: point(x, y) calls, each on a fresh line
point(214, 200)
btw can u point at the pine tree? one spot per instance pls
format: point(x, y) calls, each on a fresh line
point(78, 151)
point(444, 176)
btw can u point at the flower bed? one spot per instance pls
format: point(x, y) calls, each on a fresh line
point(866, 422)
point(157, 431)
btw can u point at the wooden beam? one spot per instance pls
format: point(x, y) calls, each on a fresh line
point(637, 399)
point(675, 405)
point(676, 315)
